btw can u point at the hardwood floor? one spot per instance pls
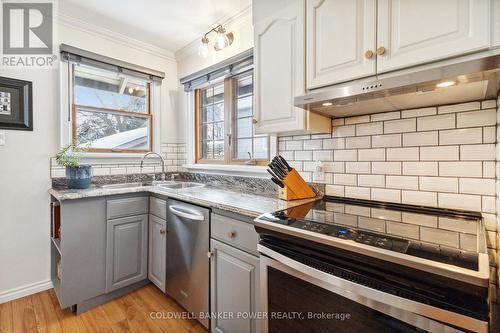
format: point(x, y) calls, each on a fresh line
point(130, 313)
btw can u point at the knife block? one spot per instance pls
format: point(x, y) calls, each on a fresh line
point(295, 187)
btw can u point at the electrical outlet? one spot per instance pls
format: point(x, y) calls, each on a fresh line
point(2, 138)
point(319, 172)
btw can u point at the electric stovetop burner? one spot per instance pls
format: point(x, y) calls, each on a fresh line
point(445, 236)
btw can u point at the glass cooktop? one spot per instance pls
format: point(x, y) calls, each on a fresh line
point(446, 236)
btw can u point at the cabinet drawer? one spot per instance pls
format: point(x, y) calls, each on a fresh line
point(237, 233)
point(158, 207)
point(127, 207)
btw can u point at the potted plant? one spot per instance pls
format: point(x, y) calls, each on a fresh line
point(77, 176)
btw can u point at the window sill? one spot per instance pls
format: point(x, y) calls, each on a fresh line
point(233, 170)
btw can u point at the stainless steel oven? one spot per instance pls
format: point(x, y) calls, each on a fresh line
point(308, 285)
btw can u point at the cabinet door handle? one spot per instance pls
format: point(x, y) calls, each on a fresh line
point(369, 54)
point(210, 254)
point(381, 50)
point(232, 234)
point(162, 231)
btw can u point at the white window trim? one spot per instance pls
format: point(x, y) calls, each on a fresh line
point(65, 133)
point(223, 169)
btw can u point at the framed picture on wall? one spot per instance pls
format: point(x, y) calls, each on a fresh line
point(16, 104)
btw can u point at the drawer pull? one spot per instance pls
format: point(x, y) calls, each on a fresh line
point(162, 231)
point(232, 234)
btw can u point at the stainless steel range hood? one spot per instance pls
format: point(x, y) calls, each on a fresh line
point(472, 77)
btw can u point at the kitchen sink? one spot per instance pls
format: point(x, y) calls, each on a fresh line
point(120, 185)
point(179, 185)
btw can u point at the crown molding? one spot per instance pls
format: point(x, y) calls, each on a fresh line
point(230, 23)
point(114, 36)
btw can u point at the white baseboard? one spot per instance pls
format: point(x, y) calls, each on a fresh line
point(26, 290)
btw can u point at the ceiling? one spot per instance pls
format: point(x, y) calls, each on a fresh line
point(169, 24)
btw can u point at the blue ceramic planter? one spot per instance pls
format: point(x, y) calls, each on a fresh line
point(79, 177)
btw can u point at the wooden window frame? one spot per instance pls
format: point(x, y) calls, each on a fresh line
point(146, 115)
point(229, 127)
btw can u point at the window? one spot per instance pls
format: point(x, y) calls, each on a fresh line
point(110, 111)
point(225, 123)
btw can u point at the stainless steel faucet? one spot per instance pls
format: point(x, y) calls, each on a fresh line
point(161, 160)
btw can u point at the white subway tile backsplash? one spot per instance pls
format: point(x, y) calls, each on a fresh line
point(488, 104)
point(489, 134)
point(386, 168)
point(338, 121)
point(371, 154)
point(337, 143)
point(334, 167)
point(345, 179)
point(400, 126)
point(420, 139)
point(357, 120)
point(461, 136)
point(435, 156)
point(312, 144)
point(371, 181)
point(439, 153)
point(420, 168)
point(460, 169)
point(460, 201)
point(478, 186)
point(431, 123)
point(357, 167)
point(477, 118)
point(468, 227)
point(385, 116)
point(335, 190)
point(402, 182)
point(459, 107)
point(370, 128)
point(468, 242)
point(484, 152)
point(323, 155)
point(343, 131)
point(419, 198)
point(305, 155)
point(358, 142)
point(357, 192)
point(439, 184)
point(294, 145)
point(419, 112)
point(345, 155)
point(382, 194)
point(403, 154)
point(387, 140)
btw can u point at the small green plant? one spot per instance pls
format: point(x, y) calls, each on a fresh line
point(69, 156)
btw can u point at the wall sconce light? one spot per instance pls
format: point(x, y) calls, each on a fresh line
point(222, 41)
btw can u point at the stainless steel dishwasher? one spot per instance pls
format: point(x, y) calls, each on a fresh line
point(187, 261)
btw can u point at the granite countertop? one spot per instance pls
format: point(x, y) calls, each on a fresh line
point(242, 203)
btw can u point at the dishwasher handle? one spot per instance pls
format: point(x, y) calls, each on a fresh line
point(181, 212)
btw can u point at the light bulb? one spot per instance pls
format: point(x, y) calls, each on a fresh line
point(222, 41)
point(130, 90)
point(203, 49)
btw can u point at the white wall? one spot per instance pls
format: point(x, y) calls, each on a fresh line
point(25, 159)
point(188, 61)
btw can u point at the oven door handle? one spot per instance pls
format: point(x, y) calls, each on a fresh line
point(373, 298)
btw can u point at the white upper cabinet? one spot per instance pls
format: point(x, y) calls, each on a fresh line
point(279, 69)
point(413, 32)
point(341, 37)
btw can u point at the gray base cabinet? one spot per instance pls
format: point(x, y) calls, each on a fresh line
point(157, 251)
point(126, 251)
point(234, 287)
